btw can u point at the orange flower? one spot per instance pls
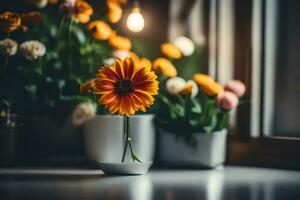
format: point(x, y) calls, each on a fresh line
point(164, 66)
point(53, 1)
point(209, 86)
point(134, 56)
point(87, 86)
point(188, 88)
point(203, 79)
point(114, 13)
point(213, 89)
point(30, 19)
point(99, 30)
point(145, 63)
point(119, 42)
point(122, 2)
point(83, 11)
point(9, 22)
point(124, 88)
point(170, 50)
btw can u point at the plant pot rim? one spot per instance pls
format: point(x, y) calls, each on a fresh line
point(223, 131)
point(118, 116)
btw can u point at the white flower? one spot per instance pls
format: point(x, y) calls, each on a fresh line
point(83, 112)
point(185, 45)
point(8, 47)
point(109, 61)
point(122, 54)
point(70, 1)
point(195, 89)
point(39, 3)
point(175, 85)
point(32, 49)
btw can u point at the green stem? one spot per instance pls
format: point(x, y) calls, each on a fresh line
point(40, 66)
point(69, 45)
point(126, 135)
point(133, 156)
point(5, 63)
point(223, 120)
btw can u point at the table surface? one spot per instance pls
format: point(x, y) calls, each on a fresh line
point(227, 183)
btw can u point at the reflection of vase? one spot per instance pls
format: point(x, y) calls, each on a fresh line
point(209, 151)
point(104, 139)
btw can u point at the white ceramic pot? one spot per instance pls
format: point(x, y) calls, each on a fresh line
point(210, 149)
point(104, 138)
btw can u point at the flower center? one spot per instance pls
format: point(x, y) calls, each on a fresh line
point(124, 87)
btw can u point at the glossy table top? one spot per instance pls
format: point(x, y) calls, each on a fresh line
point(227, 183)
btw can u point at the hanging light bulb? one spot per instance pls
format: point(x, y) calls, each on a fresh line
point(135, 21)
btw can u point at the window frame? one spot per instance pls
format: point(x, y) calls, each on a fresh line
point(249, 145)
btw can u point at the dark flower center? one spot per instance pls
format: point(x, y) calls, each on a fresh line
point(124, 87)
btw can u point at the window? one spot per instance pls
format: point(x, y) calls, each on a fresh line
point(262, 39)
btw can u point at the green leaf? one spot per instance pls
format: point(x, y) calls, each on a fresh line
point(196, 107)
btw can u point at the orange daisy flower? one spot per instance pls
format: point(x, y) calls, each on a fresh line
point(125, 87)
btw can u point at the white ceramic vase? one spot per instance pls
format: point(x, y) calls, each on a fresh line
point(104, 142)
point(209, 152)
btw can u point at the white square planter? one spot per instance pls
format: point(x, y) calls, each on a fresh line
point(210, 149)
point(104, 138)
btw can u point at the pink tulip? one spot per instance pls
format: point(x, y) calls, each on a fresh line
point(236, 87)
point(68, 8)
point(227, 100)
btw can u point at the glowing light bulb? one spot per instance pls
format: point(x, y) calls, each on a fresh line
point(185, 45)
point(135, 21)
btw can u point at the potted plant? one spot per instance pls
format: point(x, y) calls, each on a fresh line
point(123, 143)
point(193, 119)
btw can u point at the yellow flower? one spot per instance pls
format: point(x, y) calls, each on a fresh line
point(114, 12)
point(124, 88)
point(170, 50)
point(83, 11)
point(186, 90)
point(122, 2)
point(87, 86)
point(30, 19)
point(53, 1)
point(164, 66)
point(9, 22)
point(134, 56)
point(119, 42)
point(209, 86)
point(203, 79)
point(145, 63)
point(99, 30)
point(213, 89)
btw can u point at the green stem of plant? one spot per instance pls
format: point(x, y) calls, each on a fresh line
point(69, 45)
point(5, 64)
point(126, 135)
point(223, 120)
point(40, 66)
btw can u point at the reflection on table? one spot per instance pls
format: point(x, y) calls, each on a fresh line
point(228, 183)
